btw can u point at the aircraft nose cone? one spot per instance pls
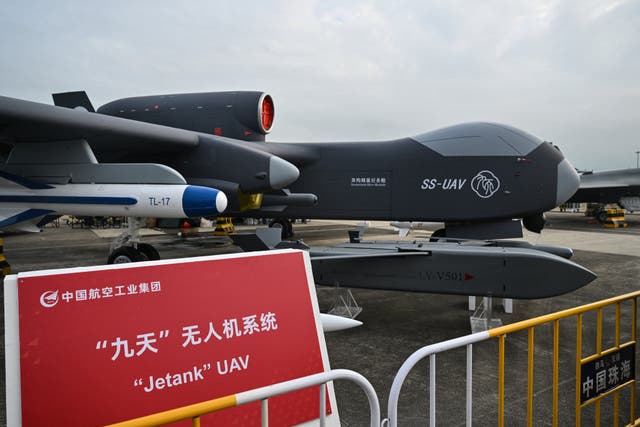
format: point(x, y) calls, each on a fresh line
point(281, 172)
point(568, 182)
point(203, 201)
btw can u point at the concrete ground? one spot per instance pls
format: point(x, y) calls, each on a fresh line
point(398, 323)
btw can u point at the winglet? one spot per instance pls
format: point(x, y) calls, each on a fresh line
point(73, 100)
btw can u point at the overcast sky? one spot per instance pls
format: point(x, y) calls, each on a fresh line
point(566, 71)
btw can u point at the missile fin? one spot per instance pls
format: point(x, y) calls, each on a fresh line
point(10, 217)
point(11, 180)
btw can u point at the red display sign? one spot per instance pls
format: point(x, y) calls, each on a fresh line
point(102, 345)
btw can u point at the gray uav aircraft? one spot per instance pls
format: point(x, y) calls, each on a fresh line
point(478, 178)
point(475, 177)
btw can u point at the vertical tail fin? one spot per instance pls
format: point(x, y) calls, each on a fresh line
point(73, 100)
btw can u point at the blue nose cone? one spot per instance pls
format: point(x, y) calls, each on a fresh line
point(203, 201)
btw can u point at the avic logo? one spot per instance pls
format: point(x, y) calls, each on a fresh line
point(485, 184)
point(49, 299)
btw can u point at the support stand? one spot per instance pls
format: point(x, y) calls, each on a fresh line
point(224, 226)
point(482, 319)
point(507, 303)
point(344, 304)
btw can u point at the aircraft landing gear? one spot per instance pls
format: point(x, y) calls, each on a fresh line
point(127, 247)
point(124, 254)
point(285, 225)
point(149, 253)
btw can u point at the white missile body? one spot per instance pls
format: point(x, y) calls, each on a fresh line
point(22, 200)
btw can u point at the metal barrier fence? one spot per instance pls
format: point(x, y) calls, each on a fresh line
point(594, 374)
point(616, 362)
point(194, 412)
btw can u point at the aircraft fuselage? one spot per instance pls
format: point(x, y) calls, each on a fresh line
point(405, 180)
point(472, 172)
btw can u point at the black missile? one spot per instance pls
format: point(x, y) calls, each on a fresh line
point(449, 268)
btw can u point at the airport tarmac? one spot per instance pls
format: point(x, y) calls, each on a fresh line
point(398, 323)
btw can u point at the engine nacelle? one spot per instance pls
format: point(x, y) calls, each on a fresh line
point(239, 115)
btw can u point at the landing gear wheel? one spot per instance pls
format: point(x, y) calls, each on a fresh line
point(124, 254)
point(148, 252)
point(602, 216)
point(438, 235)
point(285, 225)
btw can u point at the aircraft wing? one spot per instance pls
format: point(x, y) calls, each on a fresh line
point(51, 168)
point(28, 122)
point(54, 138)
point(612, 186)
point(620, 178)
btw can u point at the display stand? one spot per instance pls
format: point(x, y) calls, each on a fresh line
point(344, 304)
point(507, 303)
point(482, 319)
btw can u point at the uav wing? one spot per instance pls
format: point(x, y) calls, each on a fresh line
point(47, 139)
point(51, 169)
point(620, 186)
point(29, 122)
